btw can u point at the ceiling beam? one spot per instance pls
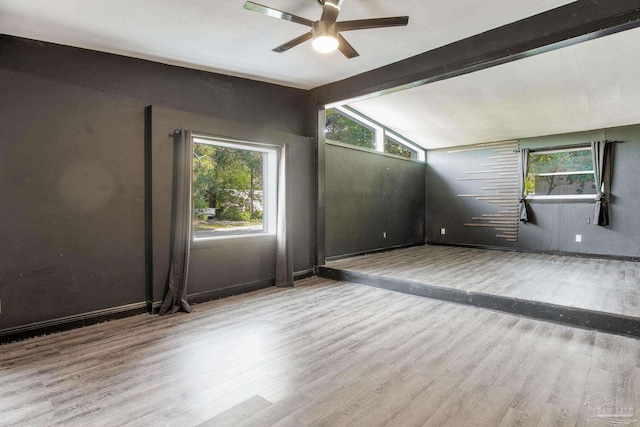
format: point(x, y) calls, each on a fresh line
point(564, 26)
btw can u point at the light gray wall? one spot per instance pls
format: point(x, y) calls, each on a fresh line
point(72, 193)
point(367, 194)
point(555, 224)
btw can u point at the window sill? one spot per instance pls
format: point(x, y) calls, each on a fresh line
point(578, 198)
point(238, 240)
point(372, 151)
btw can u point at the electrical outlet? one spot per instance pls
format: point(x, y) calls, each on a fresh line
point(384, 234)
point(587, 220)
point(442, 231)
point(578, 237)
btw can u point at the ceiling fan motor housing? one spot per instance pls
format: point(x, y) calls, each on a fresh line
point(326, 32)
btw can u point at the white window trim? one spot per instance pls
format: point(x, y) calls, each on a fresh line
point(269, 178)
point(400, 140)
point(370, 151)
point(562, 196)
point(559, 150)
point(380, 132)
point(563, 173)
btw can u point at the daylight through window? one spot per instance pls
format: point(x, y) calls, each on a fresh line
point(393, 146)
point(234, 188)
point(343, 129)
point(566, 172)
point(348, 126)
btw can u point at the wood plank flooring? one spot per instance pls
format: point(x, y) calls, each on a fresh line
point(322, 353)
point(593, 284)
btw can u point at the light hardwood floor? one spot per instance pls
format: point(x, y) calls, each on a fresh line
point(321, 354)
point(594, 284)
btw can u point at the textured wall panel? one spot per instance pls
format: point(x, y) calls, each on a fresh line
point(497, 182)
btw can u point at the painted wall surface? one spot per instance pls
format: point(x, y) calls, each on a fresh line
point(366, 195)
point(555, 224)
point(216, 263)
point(72, 170)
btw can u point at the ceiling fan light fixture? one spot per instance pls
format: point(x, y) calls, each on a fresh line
point(326, 33)
point(325, 43)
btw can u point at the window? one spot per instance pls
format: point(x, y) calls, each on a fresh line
point(234, 188)
point(343, 129)
point(392, 146)
point(347, 126)
point(563, 173)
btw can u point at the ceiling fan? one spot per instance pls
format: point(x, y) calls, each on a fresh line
point(326, 32)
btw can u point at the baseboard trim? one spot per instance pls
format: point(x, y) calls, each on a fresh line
point(572, 316)
point(528, 251)
point(373, 251)
point(66, 323)
point(304, 274)
point(228, 291)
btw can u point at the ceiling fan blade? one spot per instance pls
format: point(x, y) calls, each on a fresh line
point(346, 49)
point(277, 13)
point(293, 43)
point(330, 11)
point(363, 24)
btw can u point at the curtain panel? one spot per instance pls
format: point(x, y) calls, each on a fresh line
point(600, 151)
point(176, 294)
point(523, 166)
point(284, 247)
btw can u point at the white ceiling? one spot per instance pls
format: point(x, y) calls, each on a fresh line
point(221, 36)
point(587, 86)
point(591, 85)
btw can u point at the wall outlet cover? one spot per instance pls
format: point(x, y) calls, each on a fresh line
point(442, 231)
point(578, 237)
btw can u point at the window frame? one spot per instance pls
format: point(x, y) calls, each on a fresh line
point(402, 141)
point(381, 134)
point(269, 182)
point(362, 121)
point(561, 197)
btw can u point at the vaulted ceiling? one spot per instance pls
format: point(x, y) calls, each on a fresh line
point(590, 85)
point(584, 86)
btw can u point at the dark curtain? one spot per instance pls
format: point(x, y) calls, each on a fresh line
point(284, 248)
point(600, 151)
point(176, 295)
point(523, 166)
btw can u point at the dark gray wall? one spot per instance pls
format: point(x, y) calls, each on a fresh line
point(555, 224)
point(72, 171)
point(149, 83)
point(216, 264)
point(367, 194)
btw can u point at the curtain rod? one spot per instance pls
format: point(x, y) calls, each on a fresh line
point(559, 147)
